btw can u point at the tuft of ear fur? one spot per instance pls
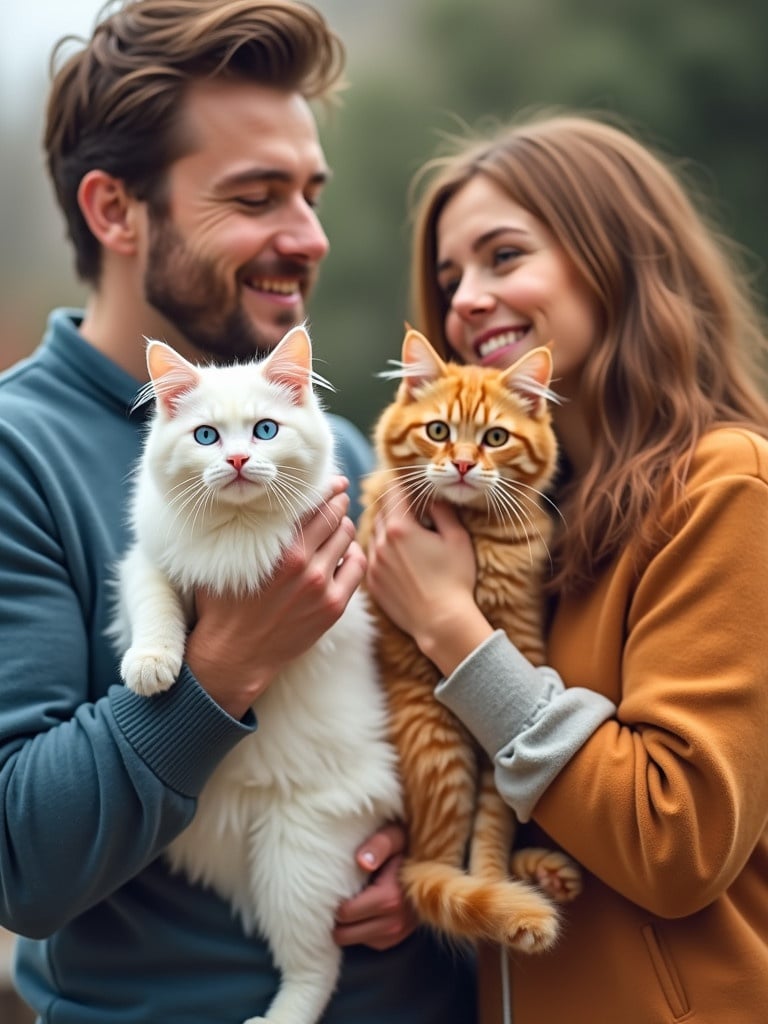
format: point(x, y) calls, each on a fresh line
point(421, 364)
point(171, 375)
point(529, 379)
point(289, 364)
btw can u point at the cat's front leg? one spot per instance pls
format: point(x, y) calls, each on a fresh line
point(157, 626)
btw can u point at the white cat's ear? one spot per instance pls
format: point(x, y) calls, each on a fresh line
point(290, 362)
point(529, 379)
point(421, 364)
point(171, 375)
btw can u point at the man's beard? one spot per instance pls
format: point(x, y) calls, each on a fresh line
point(190, 293)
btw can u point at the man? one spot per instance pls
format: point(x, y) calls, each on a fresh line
point(186, 160)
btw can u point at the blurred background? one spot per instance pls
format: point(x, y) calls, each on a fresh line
point(691, 77)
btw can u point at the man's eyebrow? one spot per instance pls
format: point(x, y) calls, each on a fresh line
point(259, 175)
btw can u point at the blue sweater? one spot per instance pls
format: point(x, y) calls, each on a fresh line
point(95, 781)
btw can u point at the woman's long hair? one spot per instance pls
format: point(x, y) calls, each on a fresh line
point(679, 343)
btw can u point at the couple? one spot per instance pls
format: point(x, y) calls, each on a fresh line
point(187, 162)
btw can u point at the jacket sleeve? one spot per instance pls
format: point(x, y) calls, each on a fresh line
point(91, 789)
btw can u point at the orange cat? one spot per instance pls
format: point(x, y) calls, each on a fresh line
point(481, 439)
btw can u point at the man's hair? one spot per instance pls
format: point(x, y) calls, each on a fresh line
point(116, 103)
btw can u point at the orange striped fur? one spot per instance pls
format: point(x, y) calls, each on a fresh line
point(495, 426)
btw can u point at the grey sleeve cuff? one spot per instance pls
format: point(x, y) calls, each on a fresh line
point(528, 722)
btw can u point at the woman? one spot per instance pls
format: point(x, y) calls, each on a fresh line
point(643, 757)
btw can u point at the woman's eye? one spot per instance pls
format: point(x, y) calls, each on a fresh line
point(206, 435)
point(438, 431)
point(495, 437)
point(505, 254)
point(265, 430)
point(449, 288)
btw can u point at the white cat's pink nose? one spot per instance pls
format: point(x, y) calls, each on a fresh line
point(238, 461)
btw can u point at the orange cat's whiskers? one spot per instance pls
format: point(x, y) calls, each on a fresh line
point(508, 509)
point(414, 491)
point(538, 494)
point(516, 505)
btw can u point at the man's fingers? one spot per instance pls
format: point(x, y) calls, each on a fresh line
point(388, 841)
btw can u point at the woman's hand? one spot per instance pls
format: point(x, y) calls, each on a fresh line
point(379, 915)
point(424, 580)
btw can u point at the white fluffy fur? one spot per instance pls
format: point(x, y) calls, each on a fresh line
point(278, 822)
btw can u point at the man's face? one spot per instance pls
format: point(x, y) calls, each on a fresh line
point(232, 262)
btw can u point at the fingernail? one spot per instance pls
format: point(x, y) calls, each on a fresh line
point(368, 859)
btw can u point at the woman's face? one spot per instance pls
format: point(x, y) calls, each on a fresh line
point(509, 287)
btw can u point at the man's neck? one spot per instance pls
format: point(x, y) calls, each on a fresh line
point(118, 324)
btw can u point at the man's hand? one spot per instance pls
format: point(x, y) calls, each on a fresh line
point(379, 916)
point(240, 643)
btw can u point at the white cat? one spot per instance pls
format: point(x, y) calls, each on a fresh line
point(277, 824)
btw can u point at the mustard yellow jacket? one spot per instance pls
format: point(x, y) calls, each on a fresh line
point(665, 803)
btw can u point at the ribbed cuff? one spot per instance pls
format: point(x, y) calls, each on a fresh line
point(496, 692)
point(181, 734)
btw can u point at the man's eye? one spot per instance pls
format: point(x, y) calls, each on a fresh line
point(252, 202)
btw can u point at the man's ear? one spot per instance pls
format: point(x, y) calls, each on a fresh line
point(109, 211)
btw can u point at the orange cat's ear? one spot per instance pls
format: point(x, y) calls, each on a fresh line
point(171, 375)
point(290, 362)
point(529, 378)
point(421, 363)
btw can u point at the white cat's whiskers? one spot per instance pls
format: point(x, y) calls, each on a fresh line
point(190, 501)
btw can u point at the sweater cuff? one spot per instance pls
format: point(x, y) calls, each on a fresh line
point(529, 723)
point(496, 692)
point(181, 734)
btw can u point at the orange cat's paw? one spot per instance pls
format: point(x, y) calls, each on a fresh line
point(534, 931)
point(552, 870)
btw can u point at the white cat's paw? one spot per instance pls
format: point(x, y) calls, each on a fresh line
point(148, 672)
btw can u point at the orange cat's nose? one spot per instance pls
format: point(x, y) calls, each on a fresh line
point(463, 467)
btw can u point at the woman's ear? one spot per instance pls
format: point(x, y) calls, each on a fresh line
point(109, 211)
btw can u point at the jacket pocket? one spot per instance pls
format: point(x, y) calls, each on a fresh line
point(666, 973)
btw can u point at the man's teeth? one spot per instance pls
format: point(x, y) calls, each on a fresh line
point(271, 285)
point(500, 341)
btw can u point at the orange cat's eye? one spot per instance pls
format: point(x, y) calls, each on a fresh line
point(438, 431)
point(495, 437)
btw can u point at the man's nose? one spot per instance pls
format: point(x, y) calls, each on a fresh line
point(303, 236)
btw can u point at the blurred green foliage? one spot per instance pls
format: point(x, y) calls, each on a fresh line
point(690, 77)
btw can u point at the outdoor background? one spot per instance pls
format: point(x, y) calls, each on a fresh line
point(691, 76)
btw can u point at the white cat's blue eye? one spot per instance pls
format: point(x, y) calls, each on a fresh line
point(438, 431)
point(495, 437)
point(265, 430)
point(206, 435)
